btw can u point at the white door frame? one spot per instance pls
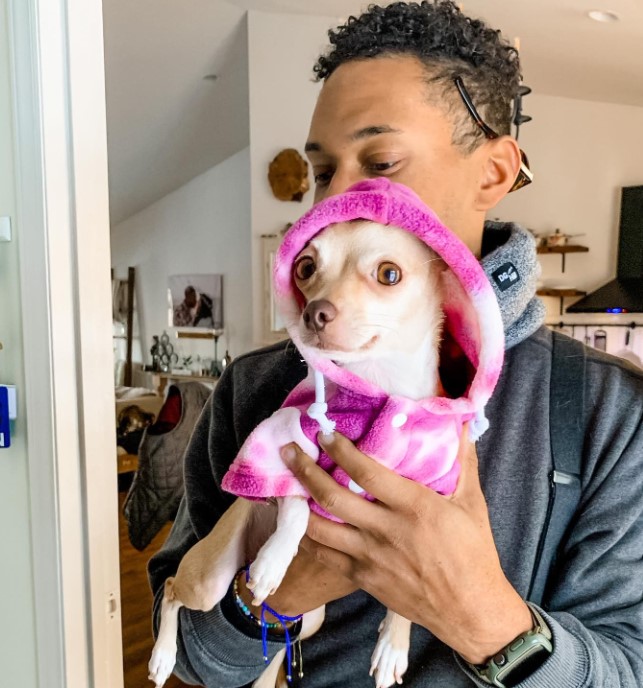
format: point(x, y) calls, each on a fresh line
point(62, 226)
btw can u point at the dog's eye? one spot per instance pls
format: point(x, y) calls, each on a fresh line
point(305, 268)
point(389, 274)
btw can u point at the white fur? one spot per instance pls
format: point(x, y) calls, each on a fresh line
point(269, 568)
point(390, 658)
point(416, 380)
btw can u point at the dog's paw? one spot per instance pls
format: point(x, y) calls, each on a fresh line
point(161, 664)
point(388, 665)
point(389, 660)
point(266, 574)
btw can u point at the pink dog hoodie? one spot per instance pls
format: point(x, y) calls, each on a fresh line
point(416, 439)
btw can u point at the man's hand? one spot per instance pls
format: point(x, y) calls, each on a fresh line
point(307, 585)
point(430, 558)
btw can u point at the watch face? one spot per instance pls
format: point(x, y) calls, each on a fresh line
point(524, 667)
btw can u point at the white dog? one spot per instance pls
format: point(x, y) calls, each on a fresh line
point(372, 306)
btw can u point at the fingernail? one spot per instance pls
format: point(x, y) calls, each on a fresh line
point(324, 439)
point(288, 453)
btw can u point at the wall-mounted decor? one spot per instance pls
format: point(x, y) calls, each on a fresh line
point(288, 176)
point(196, 301)
point(274, 329)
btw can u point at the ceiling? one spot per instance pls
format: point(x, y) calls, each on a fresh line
point(166, 124)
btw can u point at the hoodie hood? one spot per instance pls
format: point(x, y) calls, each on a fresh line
point(472, 315)
point(417, 439)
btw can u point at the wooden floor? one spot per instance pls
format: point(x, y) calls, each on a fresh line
point(136, 602)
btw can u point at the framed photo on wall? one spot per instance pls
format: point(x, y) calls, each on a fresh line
point(196, 301)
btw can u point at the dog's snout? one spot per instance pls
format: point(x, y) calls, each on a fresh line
point(318, 313)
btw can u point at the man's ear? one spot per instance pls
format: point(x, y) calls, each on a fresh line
point(500, 167)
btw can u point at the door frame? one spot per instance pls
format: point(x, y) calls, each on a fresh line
point(62, 227)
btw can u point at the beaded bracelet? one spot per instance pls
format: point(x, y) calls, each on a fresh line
point(283, 621)
point(244, 607)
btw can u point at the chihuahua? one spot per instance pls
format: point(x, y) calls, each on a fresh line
point(372, 305)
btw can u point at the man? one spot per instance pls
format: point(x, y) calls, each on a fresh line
point(460, 568)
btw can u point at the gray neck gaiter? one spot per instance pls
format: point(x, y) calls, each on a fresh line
point(511, 264)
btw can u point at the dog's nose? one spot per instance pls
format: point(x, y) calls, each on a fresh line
point(318, 313)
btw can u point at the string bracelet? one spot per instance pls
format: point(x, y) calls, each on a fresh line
point(283, 621)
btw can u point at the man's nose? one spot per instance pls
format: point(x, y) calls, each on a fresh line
point(318, 313)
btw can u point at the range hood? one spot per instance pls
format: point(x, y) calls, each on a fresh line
point(625, 293)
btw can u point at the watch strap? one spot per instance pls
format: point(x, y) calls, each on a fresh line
point(537, 641)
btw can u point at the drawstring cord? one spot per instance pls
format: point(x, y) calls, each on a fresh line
point(317, 410)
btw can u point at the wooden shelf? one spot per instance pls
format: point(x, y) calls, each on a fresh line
point(211, 334)
point(567, 248)
point(561, 294)
point(562, 251)
point(564, 293)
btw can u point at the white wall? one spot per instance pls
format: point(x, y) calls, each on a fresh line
point(203, 227)
point(17, 633)
point(582, 153)
point(282, 51)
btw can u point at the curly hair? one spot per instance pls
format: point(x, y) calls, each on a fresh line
point(449, 44)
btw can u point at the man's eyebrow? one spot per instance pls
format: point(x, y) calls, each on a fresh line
point(375, 130)
point(366, 132)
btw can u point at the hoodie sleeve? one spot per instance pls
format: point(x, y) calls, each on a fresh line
point(214, 648)
point(258, 471)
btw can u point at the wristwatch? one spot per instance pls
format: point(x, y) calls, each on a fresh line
point(520, 658)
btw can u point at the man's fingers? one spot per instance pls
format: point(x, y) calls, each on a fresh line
point(333, 498)
point(377, 480)
point(339, 536)
point(468, 487)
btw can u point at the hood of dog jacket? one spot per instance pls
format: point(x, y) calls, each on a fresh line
point(417, 439)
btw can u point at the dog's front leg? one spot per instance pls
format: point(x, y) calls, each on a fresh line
point(273, 559)
point(390, 658)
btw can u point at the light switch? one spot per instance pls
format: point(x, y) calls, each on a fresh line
point(5, 228)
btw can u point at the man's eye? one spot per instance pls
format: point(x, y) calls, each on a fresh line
point(305, 268)
point(382, 166)
point(389, 274)
point(323, 178)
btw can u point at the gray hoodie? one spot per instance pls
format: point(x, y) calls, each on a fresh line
point(594, 604)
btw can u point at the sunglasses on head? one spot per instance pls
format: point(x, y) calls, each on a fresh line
point(525, 175)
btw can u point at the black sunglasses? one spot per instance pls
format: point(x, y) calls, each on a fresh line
point(525, 175)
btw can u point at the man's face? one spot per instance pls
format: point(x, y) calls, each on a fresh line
point(375, 118)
